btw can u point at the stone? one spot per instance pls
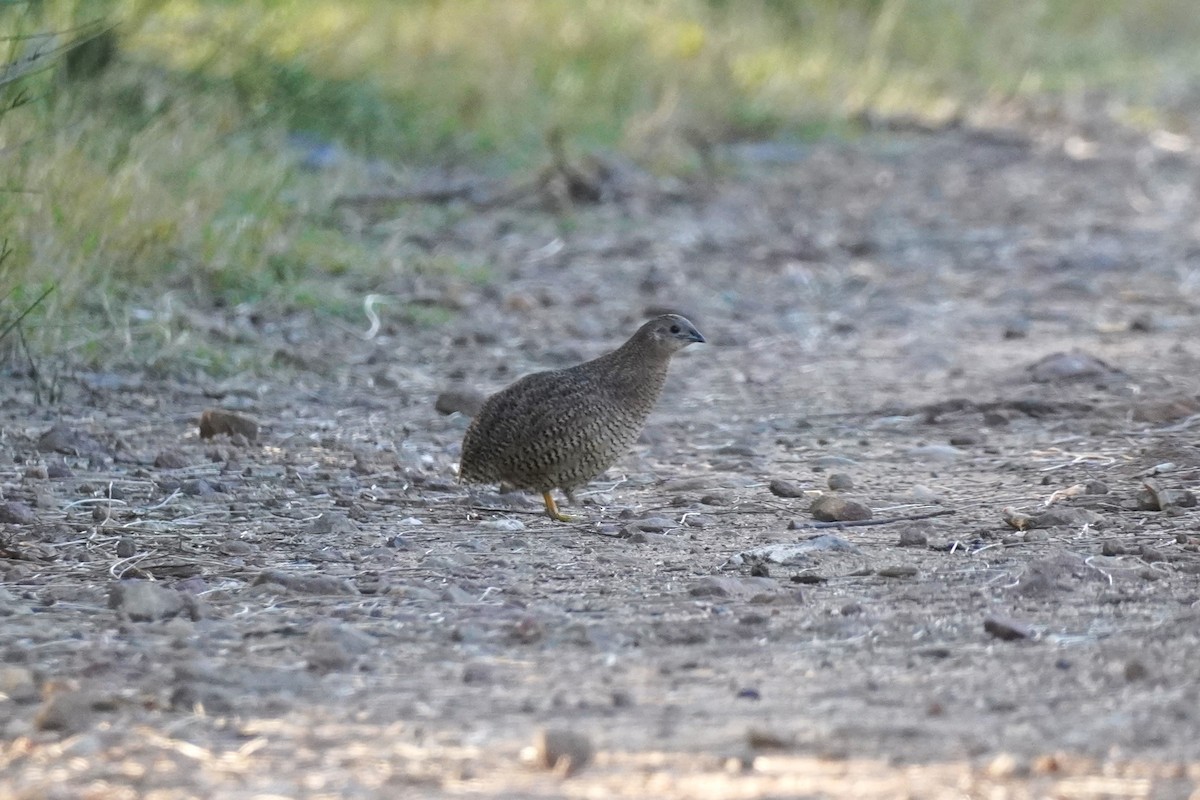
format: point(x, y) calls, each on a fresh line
point(562, 750)
point(783, 488)
point(1007, 629)
point(840, 482)
point(148, 601)
point(831, 508)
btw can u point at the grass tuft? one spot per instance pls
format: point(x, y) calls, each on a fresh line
point(171, 155)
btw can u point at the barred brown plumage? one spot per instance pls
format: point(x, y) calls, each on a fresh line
point(559, 429)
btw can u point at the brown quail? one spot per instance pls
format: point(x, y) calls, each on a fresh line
point(559, 429)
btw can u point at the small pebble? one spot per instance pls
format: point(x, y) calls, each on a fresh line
point(829, 508)
point(783, 488)
point(463, 401)
point(59, 469)
point(1007, 629)
point(16, 513)
point(830, 462)
point(215, 422)
point(935, 453)
point(503, 524)
point(896, 571)
point(1135, 671)
point(477, 673)
point(18, 684)
point(170, 459)
point(762, 739)
point(563, 751)
point(840, 482)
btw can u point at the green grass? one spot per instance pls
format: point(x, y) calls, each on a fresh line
point(171, 170)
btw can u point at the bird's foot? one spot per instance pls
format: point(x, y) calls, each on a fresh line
point(552, 509)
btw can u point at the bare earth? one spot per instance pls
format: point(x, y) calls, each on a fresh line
point(339, 619)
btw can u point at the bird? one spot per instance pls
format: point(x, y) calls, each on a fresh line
point(559, 429)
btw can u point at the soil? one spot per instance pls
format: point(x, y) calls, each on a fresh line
point(989, 338)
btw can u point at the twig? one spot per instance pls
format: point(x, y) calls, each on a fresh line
point(8, 328)
point(862, 523)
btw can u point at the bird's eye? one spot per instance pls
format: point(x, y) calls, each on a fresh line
point(674, 329)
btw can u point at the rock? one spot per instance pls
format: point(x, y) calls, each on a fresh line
point(1160, 411)
point(763, 739)
point(326, 657)
point(189, 697)
point(641, 537)
point(1004, 767)
point(912, 537)
point(935, 453)
point(1152, 497)
point(215, 422)
point(1067, 516)
point(332, 522)
point(840, 482)
point(1073, 366)
point(1113, 547)
point(477, 673)
point(654, 524)
point(830, 462)
point(17, 684)
point(171, 459)
point(896, 571)
point(9, 606)
point(923, 494)
point(1061, 571)
point(830, 508)
point(1007, 629)
point(15, 513)
point(69, 711)
point(63, 439)
point(346, 637)
point(197, 487)
point(563, 751)
point(1135, 670)
point(305, 584)
point(782, 488)
point(147, 601)
point(526, 630)
point(797, 554)
point(36, 472)
point(452, 593)
point(727, 586)
point(462, 401)
point(335, 646)
point(503, 524)
point(59, 469)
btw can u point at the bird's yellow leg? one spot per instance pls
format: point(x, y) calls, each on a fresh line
point(552, 509)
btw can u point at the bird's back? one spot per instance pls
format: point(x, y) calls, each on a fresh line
point(560, 429)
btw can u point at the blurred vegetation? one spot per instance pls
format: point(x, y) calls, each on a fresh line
point(164, 158)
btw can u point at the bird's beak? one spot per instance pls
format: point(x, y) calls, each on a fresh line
point(696, 337)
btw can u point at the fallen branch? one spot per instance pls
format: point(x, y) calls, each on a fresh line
point(862, 523)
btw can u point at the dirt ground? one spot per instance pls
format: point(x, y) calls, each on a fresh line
point(990, 336)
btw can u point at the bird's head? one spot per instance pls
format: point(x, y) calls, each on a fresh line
point(667, 334)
